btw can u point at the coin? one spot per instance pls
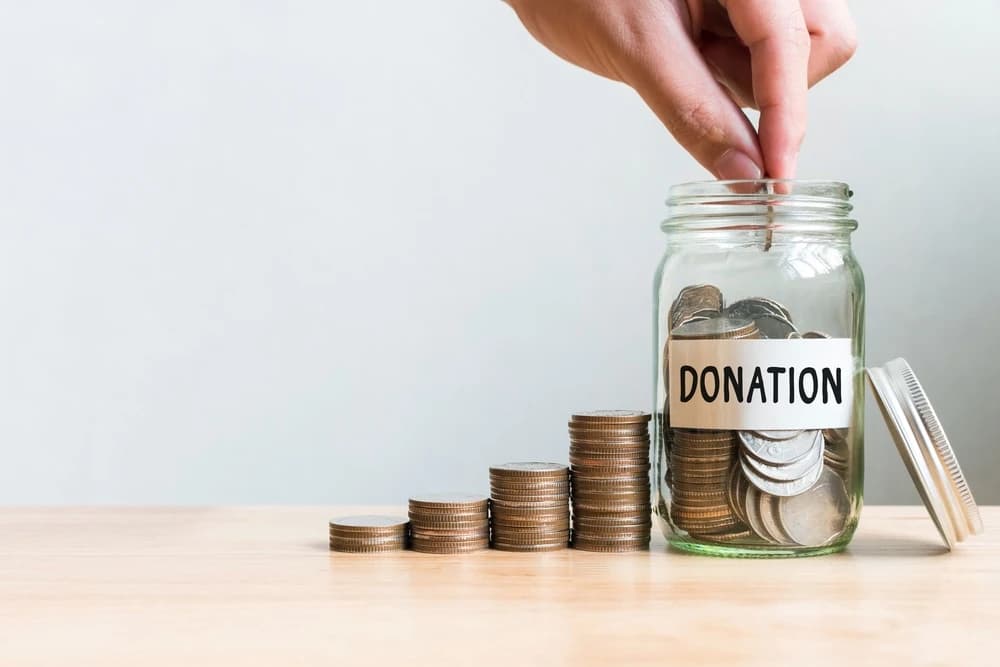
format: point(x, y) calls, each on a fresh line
point(717, 328)
point(367, 541)
point(529, 468)
point(780, 452)
point(819, 515)
point(481, 533)
point(532, 548)
point(754, 306)
point(779, 436)
point(366, 548)
point(629, 543)
point(751, 508)
point(369, 522)
point(772, 319)
point(790, 471)
point(695, 299)
point(815, 334)
point(431, 547)
point(611, 416)
point(768, 511)
point(775, 488)
point(448, 500)
point(624, 521)
point(604, 429)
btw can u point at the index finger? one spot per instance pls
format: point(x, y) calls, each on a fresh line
point(776, 34)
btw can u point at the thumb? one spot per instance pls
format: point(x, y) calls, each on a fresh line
point(673, 79)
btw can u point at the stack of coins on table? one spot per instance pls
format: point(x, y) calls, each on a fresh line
point(368, 533)
point(449, 523)
point(609, 461)
point(530, 506)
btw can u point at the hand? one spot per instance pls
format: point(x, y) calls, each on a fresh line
point(695, 62)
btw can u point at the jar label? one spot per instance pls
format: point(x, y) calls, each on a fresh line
point(761, 384)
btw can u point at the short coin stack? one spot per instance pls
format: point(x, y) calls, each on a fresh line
point(530, 506)
point(609, 460)
point(368, 533)
point(449, 523)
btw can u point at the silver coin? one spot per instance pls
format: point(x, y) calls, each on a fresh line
point(369, 521)
point(816, 335)
point(777, 435)
point(791, 471)
point(778, 308)
point(695, 299)
point(783, 489)
point(449, 499)
point(773, 320)
point(529, 466)
point(754, 307)
point(751, 504)
point(817, 516)
point(774, 326)
point(720, 327)
point(768, 510)
point(781, 452)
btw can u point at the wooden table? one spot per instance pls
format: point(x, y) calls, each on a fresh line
point(257, 586)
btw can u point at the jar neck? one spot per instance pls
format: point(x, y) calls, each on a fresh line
point(784, 210)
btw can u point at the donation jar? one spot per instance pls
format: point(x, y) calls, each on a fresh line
point(759, 375)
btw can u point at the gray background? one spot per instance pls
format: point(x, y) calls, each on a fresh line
point(345, 251)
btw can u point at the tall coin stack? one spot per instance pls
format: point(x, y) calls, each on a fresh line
point(368, 534)
point(449, 523)
point(701, 462)
point(609, 462)
point(530, 506)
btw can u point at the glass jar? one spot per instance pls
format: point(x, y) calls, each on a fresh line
point(759, 389)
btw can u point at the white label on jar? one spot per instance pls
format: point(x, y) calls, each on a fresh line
point(761, 384)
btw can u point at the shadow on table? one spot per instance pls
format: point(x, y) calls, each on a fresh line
point(895, 547)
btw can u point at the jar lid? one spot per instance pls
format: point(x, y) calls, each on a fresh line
point(925, 450)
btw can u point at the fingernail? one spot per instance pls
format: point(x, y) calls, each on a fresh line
point(735, 165)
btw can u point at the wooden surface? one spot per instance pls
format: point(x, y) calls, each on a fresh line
point(257, 586)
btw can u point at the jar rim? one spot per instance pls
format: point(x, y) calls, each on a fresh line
point(802, 204)
point(764, 187)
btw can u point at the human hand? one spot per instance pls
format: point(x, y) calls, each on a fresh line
point(695, 62)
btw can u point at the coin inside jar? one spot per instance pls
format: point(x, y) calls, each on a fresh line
point(695, 299)
point(780, 452)
point(718, 328)
point(818, 515)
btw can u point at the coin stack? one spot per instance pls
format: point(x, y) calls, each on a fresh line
point(835, 454)
point(449, 523)
point(530, 506)
point(609, 461)
point(368, 534)
point(754, 487)
point(701, 461)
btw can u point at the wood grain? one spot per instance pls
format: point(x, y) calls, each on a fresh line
point(257, 586)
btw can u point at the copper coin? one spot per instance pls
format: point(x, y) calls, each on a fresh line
point(610, 417)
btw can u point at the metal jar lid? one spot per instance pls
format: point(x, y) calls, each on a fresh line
point(925, 450)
